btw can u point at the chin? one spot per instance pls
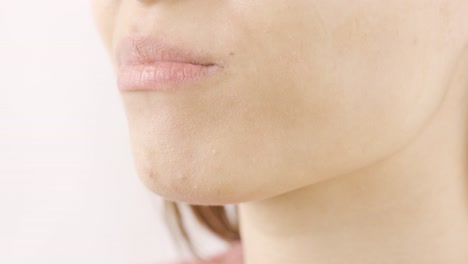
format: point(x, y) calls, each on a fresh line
point(195, 182)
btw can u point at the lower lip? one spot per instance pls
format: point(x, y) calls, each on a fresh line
point(162, 76)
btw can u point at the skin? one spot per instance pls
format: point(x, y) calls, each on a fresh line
point(344, 121)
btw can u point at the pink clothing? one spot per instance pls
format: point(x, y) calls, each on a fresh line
point(233, 255)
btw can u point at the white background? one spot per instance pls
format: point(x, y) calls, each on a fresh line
point(68, 189)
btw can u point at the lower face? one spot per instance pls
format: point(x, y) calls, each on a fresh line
point(310, 90)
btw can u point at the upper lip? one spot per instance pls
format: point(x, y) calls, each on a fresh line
point(150, 49)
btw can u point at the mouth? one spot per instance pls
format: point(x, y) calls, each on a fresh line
point(155, 63)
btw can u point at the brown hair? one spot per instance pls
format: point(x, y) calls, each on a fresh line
point(214, 218)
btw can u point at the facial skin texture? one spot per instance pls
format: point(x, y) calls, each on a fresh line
point(344, 121)
point(311, 90)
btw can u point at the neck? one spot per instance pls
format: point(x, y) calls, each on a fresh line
point(409, 208)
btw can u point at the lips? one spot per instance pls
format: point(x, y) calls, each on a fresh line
point(155, 63)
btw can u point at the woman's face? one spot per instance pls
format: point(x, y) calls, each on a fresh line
point(310, 90)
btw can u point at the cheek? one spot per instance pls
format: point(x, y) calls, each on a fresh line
point(338, 94)
point(375, 82)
